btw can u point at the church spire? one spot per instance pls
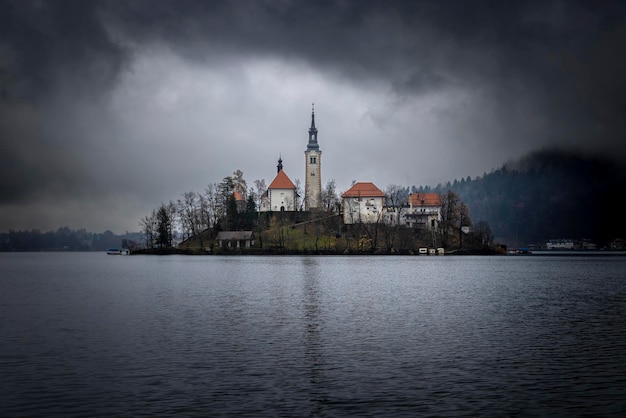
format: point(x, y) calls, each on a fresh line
point(313, 145)
point(313, 167)
point(280, 164)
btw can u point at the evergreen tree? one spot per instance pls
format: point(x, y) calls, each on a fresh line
point(164, 228)
point(251, 212)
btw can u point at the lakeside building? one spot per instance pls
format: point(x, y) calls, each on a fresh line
point(363, 203)
point(424, 211)
point(235, 239)
point(560, 244)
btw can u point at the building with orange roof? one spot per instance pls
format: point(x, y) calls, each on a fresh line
point(363, 203)
point(239, 201)
point(424, 210)
point(281, 194)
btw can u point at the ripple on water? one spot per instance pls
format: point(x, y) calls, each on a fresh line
point(312, 336)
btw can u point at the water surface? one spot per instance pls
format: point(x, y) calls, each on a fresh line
point(89, 334)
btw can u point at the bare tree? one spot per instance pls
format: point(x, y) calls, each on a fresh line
point(464, 221)
point(454, 216)
point(483, 234)
point(172, 213)
point(187, 211)
point(449, 216)
point(351, 206)
point(372, 229)
point(261, 188)
point(148, 225)
point(330, 200)
point(298, 204)
point(204, 214)
point(212, 204)
point(396, 196)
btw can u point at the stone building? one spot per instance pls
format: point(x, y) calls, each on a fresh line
point(424, 211)
point(363, 203)
point(313, 170)
point(235, 239)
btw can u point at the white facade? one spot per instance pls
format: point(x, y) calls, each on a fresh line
point(560, 244)
point(424, 211)
point(363, 203)
point(365, 210)
point(281, 195)
point(279, 200)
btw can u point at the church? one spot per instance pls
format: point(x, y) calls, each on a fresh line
point(282, 195)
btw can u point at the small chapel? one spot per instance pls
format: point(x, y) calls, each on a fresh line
point(281, 194)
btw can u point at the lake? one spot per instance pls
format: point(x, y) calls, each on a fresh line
point(88, 334)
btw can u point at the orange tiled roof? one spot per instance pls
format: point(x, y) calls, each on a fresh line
point(428, 199)
point(363, 190)
point(281, 181)
point(238, 195)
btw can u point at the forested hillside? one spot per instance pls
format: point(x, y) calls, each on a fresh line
point(548, 194)
point(65, 239)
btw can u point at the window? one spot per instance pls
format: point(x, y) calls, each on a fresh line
point(312, 173)
point(313, 160)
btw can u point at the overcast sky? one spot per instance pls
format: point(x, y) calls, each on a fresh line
point(108, 108)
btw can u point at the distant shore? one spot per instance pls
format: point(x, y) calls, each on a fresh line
point(279, 251)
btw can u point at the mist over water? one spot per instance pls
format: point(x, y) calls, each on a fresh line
point(90, 334)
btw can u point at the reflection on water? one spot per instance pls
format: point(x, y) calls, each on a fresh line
point(312, 325)
point(87, 334)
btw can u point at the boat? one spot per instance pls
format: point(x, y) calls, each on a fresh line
point(520, 251)
point(113, 251)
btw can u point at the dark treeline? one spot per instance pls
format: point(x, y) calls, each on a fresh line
point(63, 239)
point(548, 194)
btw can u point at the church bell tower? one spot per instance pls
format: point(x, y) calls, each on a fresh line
point(313, 173)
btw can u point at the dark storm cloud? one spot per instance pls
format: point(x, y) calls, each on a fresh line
point(559, 49)
point(560, 58)
point(545, 72)
point(43, 43)
point(49, 52)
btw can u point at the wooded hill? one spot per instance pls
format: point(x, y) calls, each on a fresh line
point(323, 233)
point(64, 239)
point(548, 194)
